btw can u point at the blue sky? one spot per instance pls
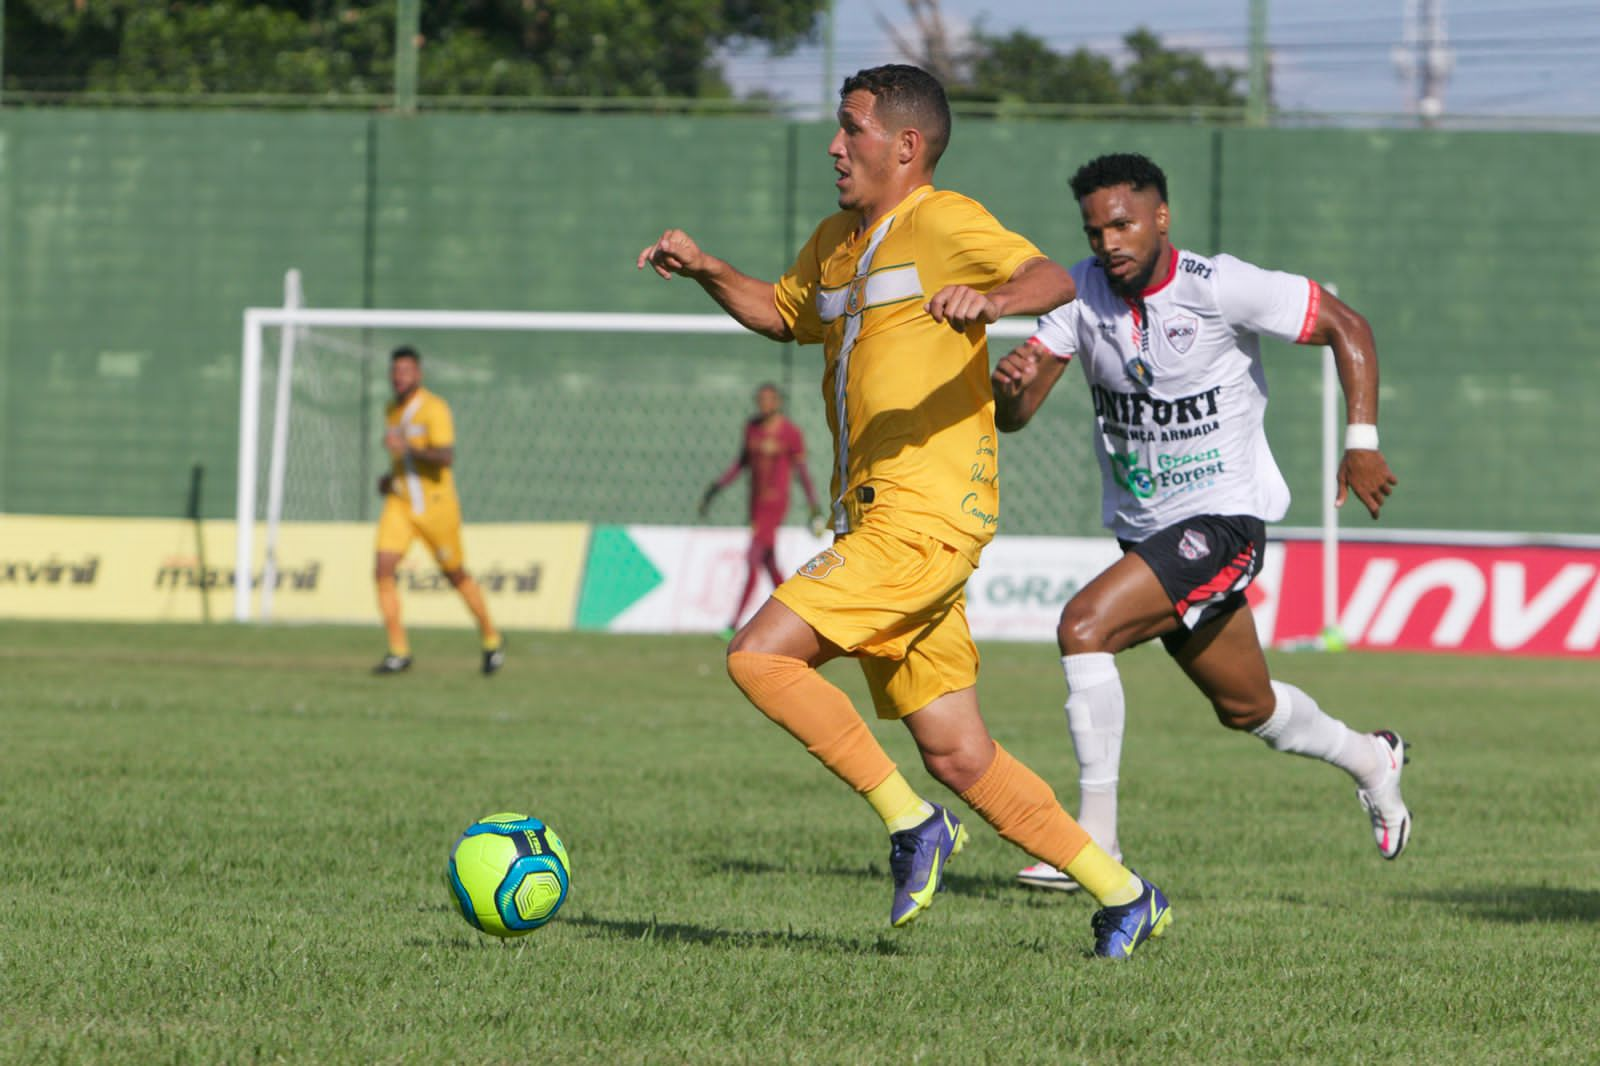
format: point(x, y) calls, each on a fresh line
point(1536, 57)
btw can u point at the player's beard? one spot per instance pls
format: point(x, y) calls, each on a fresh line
point(1135, 285)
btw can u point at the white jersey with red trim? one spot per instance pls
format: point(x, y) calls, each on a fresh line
point(1179, 391)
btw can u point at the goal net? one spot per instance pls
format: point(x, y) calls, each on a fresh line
point(604, 418)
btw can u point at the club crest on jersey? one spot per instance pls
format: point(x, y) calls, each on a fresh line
point(856, 298)
point(1181, 331)
point(1193, 545)
point(822, 564)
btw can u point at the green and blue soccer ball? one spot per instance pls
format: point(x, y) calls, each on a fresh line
point(509, 873)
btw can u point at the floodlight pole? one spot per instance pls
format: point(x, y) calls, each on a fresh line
point(1331, 453)
point(1256, 103)
point(407, 25)
point(829, 88)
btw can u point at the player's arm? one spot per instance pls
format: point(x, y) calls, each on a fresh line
point(1021, 381)
point(1037, 285)
point(724, 481)
point(1363, 469)
point(816, 521)
point(433, 456)
point(750, 301)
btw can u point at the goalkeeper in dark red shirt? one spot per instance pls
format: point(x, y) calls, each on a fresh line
point(773, 447)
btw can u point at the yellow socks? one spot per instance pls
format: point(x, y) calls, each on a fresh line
point(1103, 877)
point(898, 805)
point(472, 593)
point(1023, 810)
point(815, 713)
point(389, 605)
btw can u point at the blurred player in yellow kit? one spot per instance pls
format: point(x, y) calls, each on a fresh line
point(420, 501)
point(899, 287)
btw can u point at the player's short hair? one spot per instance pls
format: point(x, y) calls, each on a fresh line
point(765, 385)
point(907, 97)
point(1119, 168)
point(405, 351)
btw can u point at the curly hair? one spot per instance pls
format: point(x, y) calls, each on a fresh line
point(1121, 168)
point(907, 97)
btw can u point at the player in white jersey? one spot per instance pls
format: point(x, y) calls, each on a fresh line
point(1169, 345)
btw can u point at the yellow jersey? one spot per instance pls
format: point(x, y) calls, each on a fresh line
point(908, 399)
point(425, 420)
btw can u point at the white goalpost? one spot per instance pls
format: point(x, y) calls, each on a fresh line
point(295, 322)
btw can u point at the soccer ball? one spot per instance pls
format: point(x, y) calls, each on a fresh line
point(509, 873)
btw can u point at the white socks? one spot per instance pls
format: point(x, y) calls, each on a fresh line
point(1096, 711)
point(1300, 727)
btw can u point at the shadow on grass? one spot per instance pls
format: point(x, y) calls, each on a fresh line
point(653, 931)
point(1517, 905)
point(987, 885)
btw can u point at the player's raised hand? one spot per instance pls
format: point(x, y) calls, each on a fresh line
point(675, 252)
point(705, 500)
point(1365, 472)
point(959, 306)
point(1016, 369)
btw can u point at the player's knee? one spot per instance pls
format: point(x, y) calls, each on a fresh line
point(455, 577)
point(960, 768)
point(1243, 713)
point(1082, 628)
point(758, 674)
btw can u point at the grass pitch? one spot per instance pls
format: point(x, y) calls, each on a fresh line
point(225, 845)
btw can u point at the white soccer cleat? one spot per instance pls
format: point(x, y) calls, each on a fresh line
point(1043, 875)
point(1391, 821)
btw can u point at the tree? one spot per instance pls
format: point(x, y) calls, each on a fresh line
point(471, 47)
point(1175, 77)
point(1021, 68)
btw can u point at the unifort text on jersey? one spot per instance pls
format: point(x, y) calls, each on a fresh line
point(1129, 408)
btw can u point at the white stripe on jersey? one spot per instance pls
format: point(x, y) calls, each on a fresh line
point(853, 301)
point(413, 482)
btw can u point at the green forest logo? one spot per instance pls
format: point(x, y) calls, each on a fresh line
point(1131, 476)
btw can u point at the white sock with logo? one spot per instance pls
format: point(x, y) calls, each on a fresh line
point(1096, 711)
point(1300, 727)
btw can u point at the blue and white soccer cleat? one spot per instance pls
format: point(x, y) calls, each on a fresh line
point(917, 859)
point(1391, 820)
point(1118, 931)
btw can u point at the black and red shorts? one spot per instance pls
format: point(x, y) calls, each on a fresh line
point(1204, 564)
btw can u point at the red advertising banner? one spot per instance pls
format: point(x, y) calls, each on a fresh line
point(1532, 600)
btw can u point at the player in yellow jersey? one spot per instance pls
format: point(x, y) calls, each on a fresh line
point(899, 287)
point(419, 500)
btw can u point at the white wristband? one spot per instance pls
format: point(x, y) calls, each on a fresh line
point(1361, 436)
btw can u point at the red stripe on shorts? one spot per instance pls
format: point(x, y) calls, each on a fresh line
point(1219, 584)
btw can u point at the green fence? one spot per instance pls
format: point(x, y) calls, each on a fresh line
point(133, 240)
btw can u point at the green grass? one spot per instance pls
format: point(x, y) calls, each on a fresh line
point(224, 845)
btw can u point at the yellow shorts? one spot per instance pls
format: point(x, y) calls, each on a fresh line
point(895, 600)
point(439, 526)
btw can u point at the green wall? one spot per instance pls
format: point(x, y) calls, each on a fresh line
point(133, 240)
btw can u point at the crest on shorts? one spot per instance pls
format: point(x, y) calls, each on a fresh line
point(1181, 331)
point(1193, 545)
point(822, 564)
